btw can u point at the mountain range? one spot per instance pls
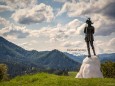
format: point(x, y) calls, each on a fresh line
point(21, 61)
point(102, 57)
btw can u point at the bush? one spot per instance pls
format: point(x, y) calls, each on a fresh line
point(108, 69)
point(3, 72)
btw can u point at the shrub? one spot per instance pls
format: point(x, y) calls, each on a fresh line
point(3, 72)
point(108, 69)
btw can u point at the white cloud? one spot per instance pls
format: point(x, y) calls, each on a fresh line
point(4, 22)
point(13, 31)
point(16, 31)
point(74, 24)
point(25, 44)
point(5, 8)
point(84, 7)
point(109, 47)
point(103, 25)
point(67, 44)
point(65, 36)
point(55, 33)
point(103, 19)
point(112, 43)
point(63, 1)
point(65, 32)
point(37, 14)
point(105, 46)
point(73, 9)
point(101, 13)
point(62, 34)
point(72, 44)
point(19, 4)
point(80, 30)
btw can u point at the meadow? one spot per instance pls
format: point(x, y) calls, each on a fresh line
point(44, 79)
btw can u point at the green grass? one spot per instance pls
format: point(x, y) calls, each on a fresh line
point(72, 74)
point(43, 79)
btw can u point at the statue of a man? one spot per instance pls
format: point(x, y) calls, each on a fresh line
point(89, 31)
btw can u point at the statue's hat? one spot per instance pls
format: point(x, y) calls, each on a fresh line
point(88, 21)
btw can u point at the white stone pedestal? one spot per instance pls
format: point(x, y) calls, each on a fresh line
point(90, 68)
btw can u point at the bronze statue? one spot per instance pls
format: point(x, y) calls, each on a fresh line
point(89, 31)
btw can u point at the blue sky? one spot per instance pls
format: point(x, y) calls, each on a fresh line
point(57, 24)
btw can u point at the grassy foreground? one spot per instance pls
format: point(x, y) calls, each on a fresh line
point(43, 79)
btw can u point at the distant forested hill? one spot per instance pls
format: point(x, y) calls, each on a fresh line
point(21, 61)
point(102, 57)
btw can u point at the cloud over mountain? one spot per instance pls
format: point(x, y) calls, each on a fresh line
point(16, 31)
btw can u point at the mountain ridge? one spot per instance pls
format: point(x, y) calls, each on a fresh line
point(20, 60)
point(103, 57)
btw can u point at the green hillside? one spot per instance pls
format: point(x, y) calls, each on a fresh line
point(43, 79)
